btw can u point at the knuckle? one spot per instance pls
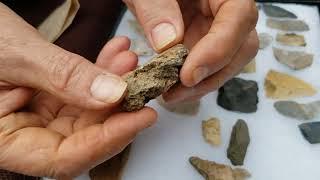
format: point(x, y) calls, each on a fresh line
point(253, 44)
point(63, 69)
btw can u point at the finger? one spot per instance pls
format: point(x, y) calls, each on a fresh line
point(121, 63)
point(245, 54)
point(115, 46)
point(233, 21)
point(67, 76)
point(97, 143)
point(161, 20)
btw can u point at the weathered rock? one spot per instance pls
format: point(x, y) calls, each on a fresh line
point(288, 25)
point(250, 68)
point(291, 39)
point(311, 132)
point(277, 12)
point(211, 170)
point(239, 143)
point(283, 86)
point(112, 168)
point(295, 60)
point(186, 108)
point(298, 111)
point(154, 78)
point(239, 95)
point(265, 40)
point(211, 131)
point(141, 47)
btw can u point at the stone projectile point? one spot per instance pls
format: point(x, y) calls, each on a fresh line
point(298, 111)
point(211, 131)
point(295, 60)
point(250, 67)
point(277, 12)
point(154, 78)
point(283, 86)
point(211, 170)
point(239, 142)
point(291, 39)
point(239, 95)
point(311, 132)
point(288, 25)
point(186, 108)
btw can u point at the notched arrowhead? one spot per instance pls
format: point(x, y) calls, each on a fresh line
point(154, 78)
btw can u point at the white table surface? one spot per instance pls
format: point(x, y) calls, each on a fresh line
point(277, 150)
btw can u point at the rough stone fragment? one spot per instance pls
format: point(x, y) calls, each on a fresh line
point(239, 142)
point(211, 131)
point(186, 108)
point(211, 170)
point(283, 86)
point(277, 12)
point(311, 132)
point(297, 110)
point(291, 39)
point(250, 68)
point(288, 25)
point(239, 95)
point(265, 40)
point(141, 47)
point(154, 78)
point(112, 168)
point(295, 60)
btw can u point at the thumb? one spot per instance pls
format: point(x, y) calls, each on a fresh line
point(65, 75)
point(161, 20)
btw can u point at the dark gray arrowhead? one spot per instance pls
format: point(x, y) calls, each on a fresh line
point(311, 132)
point(239, 142)
point(278, 12)
point(239, 95)
point(288, 25)
point(298, 111)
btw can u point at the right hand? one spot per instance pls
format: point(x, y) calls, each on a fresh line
point(58, 114)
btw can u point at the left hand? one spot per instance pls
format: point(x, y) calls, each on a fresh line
point(220, 33)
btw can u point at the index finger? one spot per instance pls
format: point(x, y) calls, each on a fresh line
point(233, 21)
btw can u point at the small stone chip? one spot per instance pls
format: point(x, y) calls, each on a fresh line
point(277, 12)
point(211, 131)
point(239, 143)
point(265, 40)
point(250, 67)
point(239, 95)
point(211, 170)
point(141, 47)
point(295, 60)
point(298, 111)
point(311, 132)
point(154, 78)
point(185, 108)
point(283, 86)
point(291, 39)
point(288, 25)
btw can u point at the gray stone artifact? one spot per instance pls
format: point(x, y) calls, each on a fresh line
point(291, 39)
point(211, 170)
point(298, 111)
point(265, 40)
point(154, 78)
point(295, 60)
point(239, 142)
point(287, 25)
point(239, 95)
point(277, 12)
point(311, 132)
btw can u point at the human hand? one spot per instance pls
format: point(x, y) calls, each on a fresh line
point(54, 119)
point(220, 33)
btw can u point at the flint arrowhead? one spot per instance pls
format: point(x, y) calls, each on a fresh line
point(298, 111)
point(291, 39)
point(295, 60)
point(277, 12)
point(311, 132)
point(287, 25)
point(211, 131)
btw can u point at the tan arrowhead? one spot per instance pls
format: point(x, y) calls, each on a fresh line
point(282, 86)
point(250, 68)
point(211, 131)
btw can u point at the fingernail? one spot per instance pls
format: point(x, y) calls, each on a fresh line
point(199, 74)
point(163, 34)
point(108, 88)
